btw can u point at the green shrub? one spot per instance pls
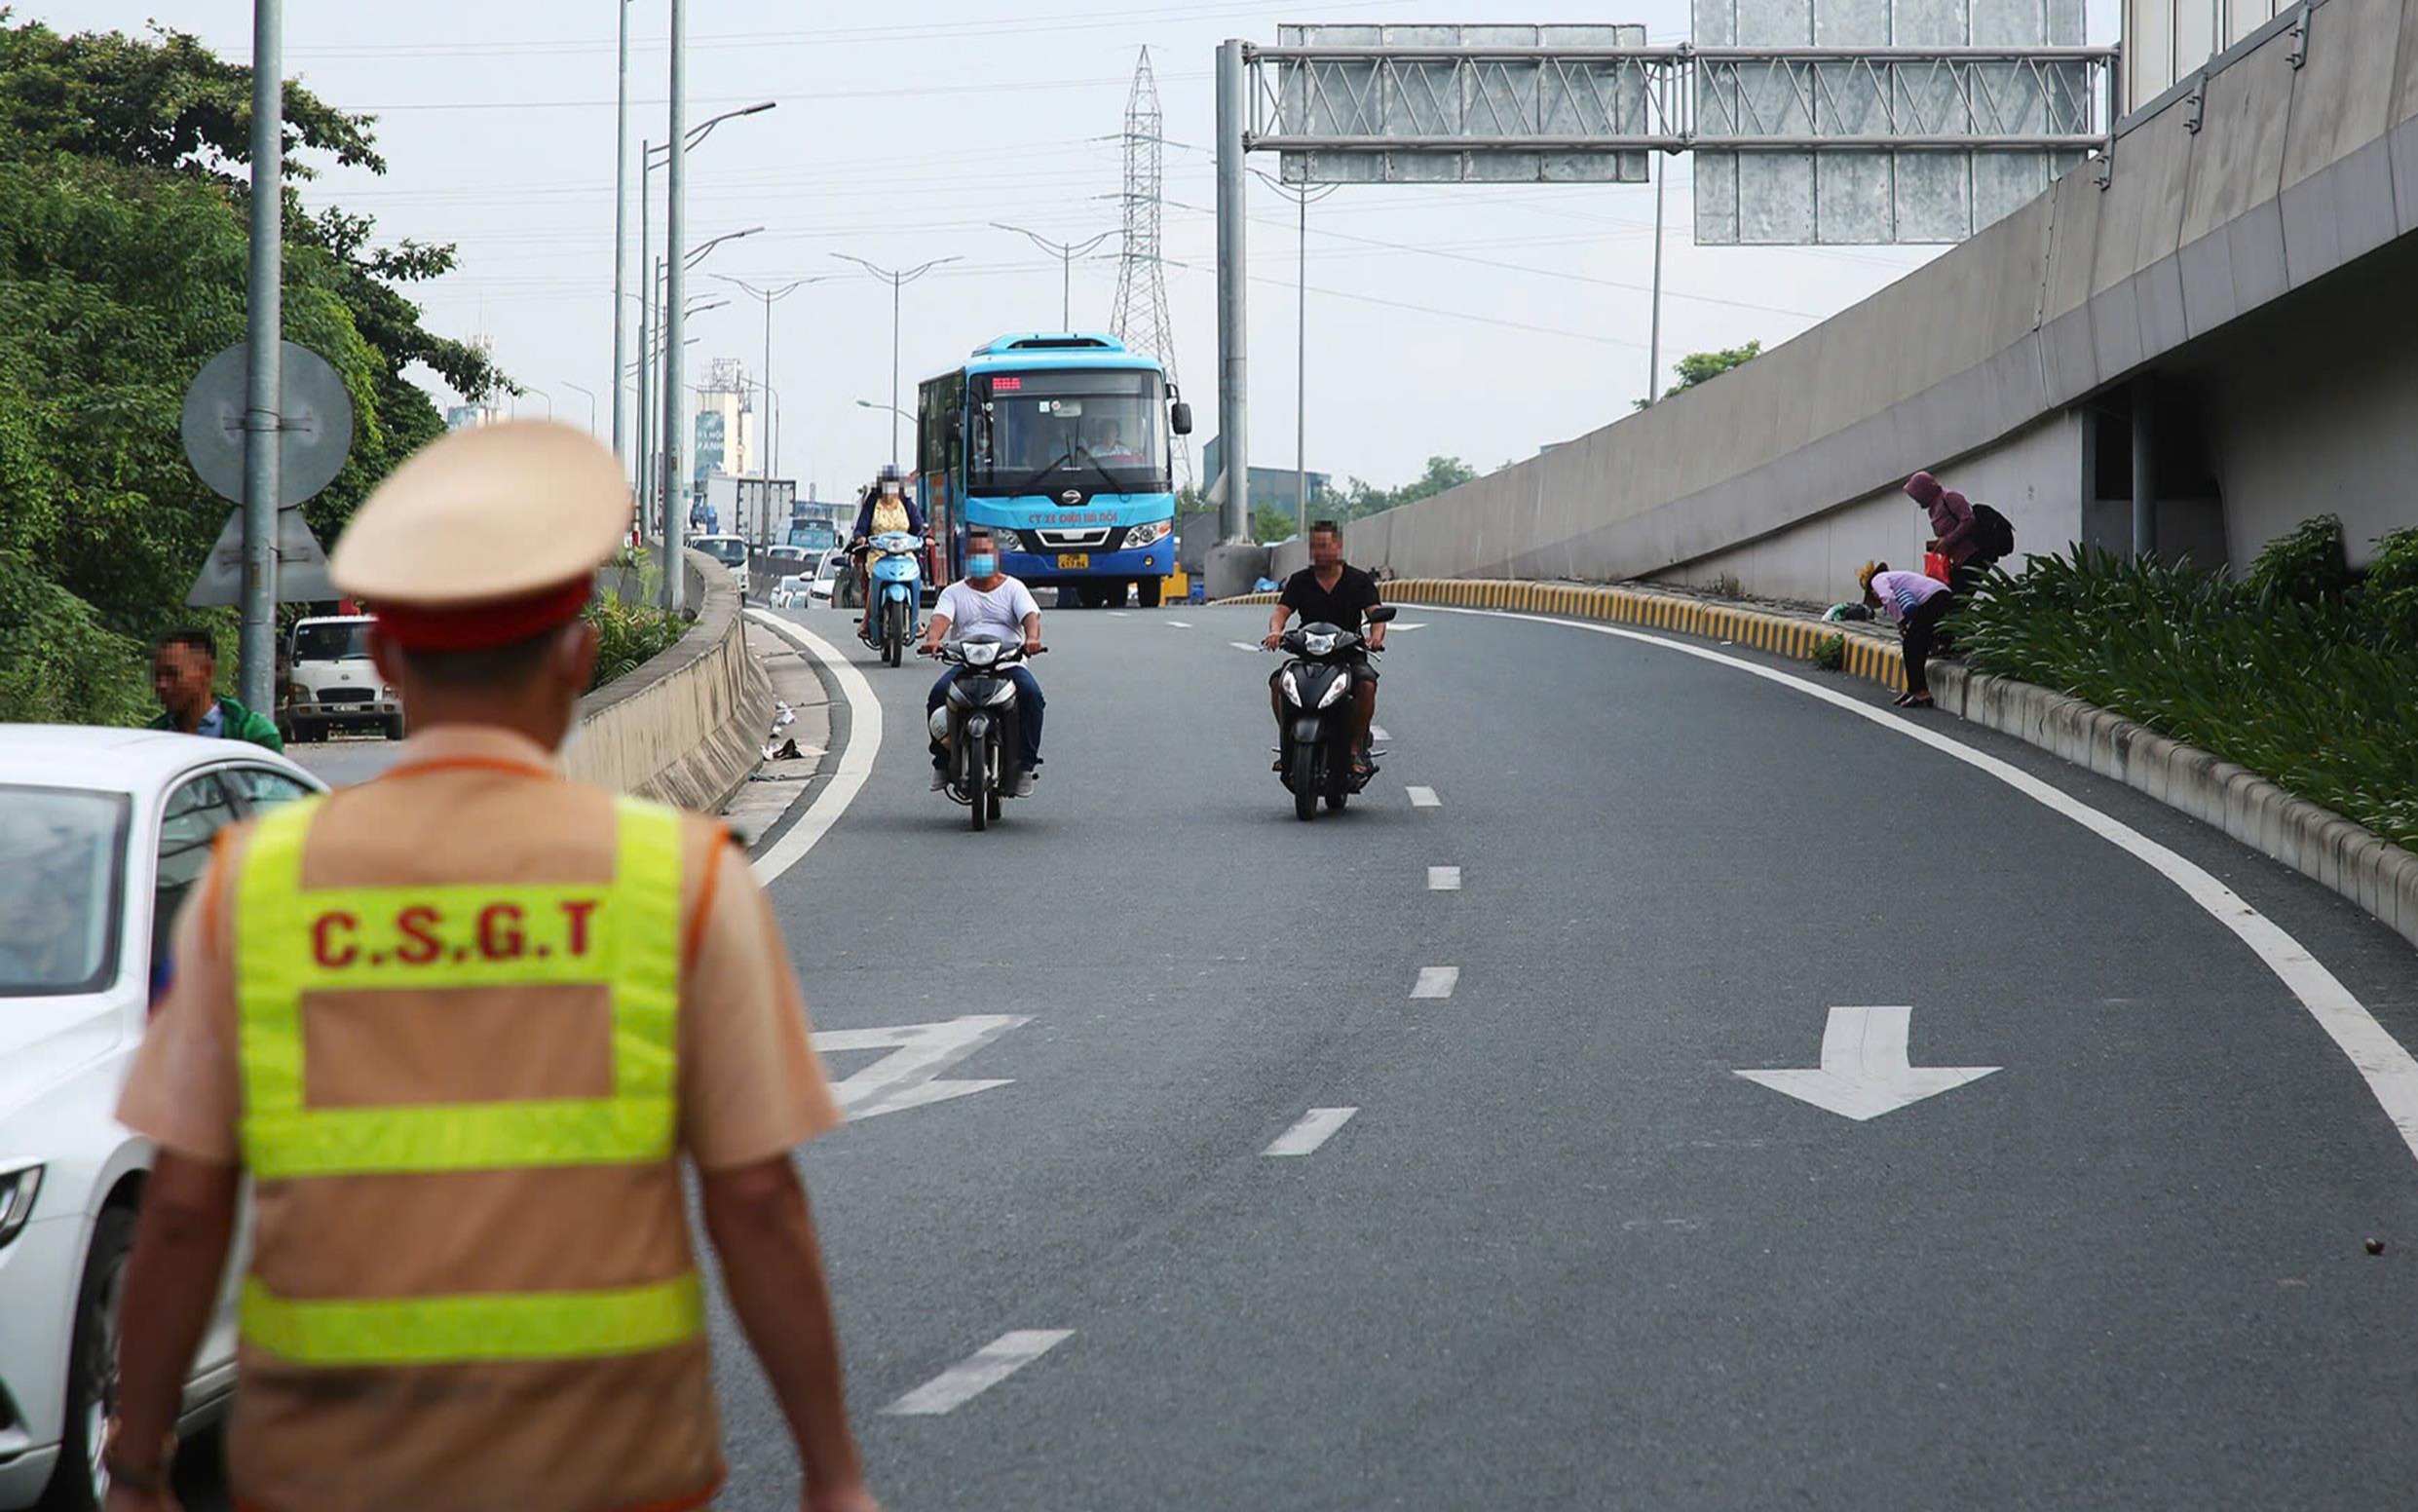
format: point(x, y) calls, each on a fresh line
point(629, 635)
point(2389, 593)
point(2279, 674)
point(2305, 566)
point(1830, 654)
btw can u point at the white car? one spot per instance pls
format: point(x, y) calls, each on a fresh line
point(102, 833)
point(792, 591)
point(824, 577)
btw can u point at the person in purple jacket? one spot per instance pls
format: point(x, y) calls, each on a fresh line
point(1917, 603)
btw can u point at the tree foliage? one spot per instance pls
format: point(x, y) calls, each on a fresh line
point(123, 266)
point(1704, 366)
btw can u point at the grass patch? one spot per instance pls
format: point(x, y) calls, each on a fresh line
point(1830, 654)
point(631, 632)
point(2304, 672)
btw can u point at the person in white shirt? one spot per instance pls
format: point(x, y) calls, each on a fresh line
point(988, 601)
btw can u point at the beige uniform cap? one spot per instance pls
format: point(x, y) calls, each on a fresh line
point(485, 514)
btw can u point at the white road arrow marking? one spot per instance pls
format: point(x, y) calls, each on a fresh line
point(906, 1078)
point(1865, 1072)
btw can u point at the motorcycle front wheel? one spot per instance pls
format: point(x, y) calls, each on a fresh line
point(982, 785)
point(1306, 783)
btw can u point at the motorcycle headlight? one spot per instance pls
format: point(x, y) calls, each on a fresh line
point(1139, 536)
point(980, 653)
point(940, 722)
point(16, 1195)
point(1335, 691)
point(1318, 645)
point(1292, 690)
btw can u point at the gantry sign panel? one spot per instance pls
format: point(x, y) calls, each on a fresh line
point(1458, 104)
point(1924, 120)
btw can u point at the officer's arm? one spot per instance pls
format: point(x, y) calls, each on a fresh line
point(772, 1266)
point(171, 1288)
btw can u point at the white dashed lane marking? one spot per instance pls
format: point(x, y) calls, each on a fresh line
point(1436, 981)
point(968, 1380)
point(1424, 797)
point(1315, 1128)
point(1444, 879)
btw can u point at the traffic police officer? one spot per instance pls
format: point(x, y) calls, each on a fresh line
point(458, 1025)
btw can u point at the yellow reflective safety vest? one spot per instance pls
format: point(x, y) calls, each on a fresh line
point(592, 969)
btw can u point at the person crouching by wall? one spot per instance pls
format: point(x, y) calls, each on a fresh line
point(1918, 604)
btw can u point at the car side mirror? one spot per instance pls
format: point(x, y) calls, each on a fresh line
point(1180, 418)
point(1382, 613)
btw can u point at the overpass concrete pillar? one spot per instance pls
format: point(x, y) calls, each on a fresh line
point(2145, 466)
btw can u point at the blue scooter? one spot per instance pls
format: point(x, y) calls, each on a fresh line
point(895, 594)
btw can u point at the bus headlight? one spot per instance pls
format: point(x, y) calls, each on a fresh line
point(1140, 536)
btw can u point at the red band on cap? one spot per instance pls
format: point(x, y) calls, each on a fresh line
point(479, 626)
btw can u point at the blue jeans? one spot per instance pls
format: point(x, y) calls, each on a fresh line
point(1030, 706)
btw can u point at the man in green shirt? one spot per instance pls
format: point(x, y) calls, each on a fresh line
point(184, 673)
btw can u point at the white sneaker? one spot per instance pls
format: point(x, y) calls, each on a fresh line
point(1024, 783)
point(940, 780)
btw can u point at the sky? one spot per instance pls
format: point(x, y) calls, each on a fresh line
point(1474, 322)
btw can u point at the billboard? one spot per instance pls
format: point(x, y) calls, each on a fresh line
point(1911, 83)
point(709, 438)
point(1455, 105)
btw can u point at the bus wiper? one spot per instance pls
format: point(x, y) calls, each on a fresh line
point(1033, 485)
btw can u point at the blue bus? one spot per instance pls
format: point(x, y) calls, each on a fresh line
point(1061, 443)
point(815, 524)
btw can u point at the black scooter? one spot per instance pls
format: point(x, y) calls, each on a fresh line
point(977, 722)
point(1315, 754)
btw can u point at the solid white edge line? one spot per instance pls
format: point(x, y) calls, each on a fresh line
point(1424, 798)
point(978, 1373)
point(2383, 1062)
point(1311, 1130)
point(1436, 981)
point(1444, 879)
point(864, 742)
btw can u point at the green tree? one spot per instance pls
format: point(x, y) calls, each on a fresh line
point(123, 263)
point(1704, 366)
point(1359, 500)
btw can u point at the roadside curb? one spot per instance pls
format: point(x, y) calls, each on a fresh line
point(2344, 857)
point(1870, 655)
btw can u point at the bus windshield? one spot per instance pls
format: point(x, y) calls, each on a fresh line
point(1099, 430)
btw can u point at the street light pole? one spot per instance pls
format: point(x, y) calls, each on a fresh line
point(1653, 345)
point(769, 295)
point(527, 389)
point(675, 253)
point(621, 232)
point(646, 475)
point(590, 395)
point(897, 279)
point(264, 375)
point(1065, 253)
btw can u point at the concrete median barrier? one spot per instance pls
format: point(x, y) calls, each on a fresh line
point(683, 726)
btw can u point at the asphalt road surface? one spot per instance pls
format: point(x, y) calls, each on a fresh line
point(342, 760)
point(1536, 1242)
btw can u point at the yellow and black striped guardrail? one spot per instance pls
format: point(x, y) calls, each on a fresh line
point(1870, 655)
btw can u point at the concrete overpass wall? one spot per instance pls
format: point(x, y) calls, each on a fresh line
point(1973, 363)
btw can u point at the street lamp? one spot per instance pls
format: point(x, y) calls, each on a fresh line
point(897, 279)
point(527, 389)
point(649, 155)
point(590, 394)
point(876, 404)
point(1302, 198)
point(1065, 253)
point(685, 139)
point(769, 295)
point(651, 348)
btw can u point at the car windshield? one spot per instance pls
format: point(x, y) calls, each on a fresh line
point(335, 640)
point(792, 582)
point(729, 551)
point(62, 862)
point(1102, 432)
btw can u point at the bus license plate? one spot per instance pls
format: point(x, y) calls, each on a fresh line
point(1073, 562)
